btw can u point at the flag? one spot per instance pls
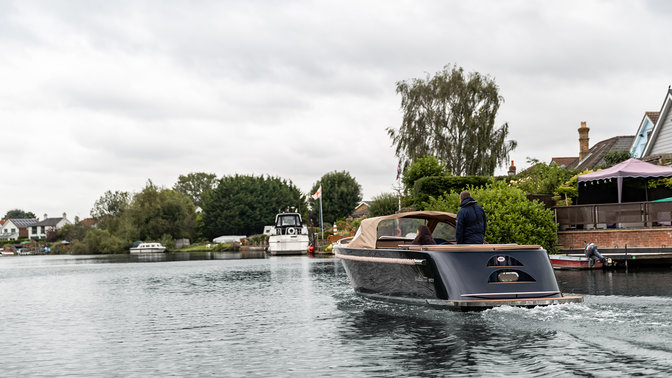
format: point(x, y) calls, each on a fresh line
point(398, 170)
point(318, 194)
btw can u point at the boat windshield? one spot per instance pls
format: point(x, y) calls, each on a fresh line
point(408, 227)
point(288, 220)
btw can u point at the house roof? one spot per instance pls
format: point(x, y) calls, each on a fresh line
point(49, 222)
point(23, 222)
point(566, 161)
point(88, 222)
point(596, 154)
point(664, 109)
point(362, 209)
point(653, 116)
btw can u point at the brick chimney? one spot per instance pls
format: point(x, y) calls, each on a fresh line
point(512, 169)
point(583, 141)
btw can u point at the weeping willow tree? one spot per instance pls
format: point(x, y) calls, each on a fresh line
point(451, 116)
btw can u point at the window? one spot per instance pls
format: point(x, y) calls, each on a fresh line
point(444, 231)
point(403, 227)
point(289, 220)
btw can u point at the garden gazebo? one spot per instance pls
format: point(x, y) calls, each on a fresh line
point(631, 168)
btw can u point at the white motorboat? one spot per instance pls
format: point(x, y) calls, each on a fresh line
point(152, 247)
point(289, 236)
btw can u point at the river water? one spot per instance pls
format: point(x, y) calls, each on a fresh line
point(297, 316)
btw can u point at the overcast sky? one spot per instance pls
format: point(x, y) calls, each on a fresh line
point(104, 95)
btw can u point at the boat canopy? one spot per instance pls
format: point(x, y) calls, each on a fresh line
point(367, 234)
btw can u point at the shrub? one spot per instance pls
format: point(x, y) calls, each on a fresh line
point(384, 204)
point(101, 241)
point(79, 248)
point(542, 178)
point(512, 218)
point(436, 186)
point(428, 166)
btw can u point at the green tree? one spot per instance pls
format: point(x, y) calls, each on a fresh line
point(451, 115)
point(542, 178)
point(110, 204)
point(195, 185)
point(109, 209)
point(100, 241)
point(512, 218)
point(19, 214)
point(612, 158)
point(569, 190)
point(243, 205)
point(427, 166)
point(155, 212)
point(340, 195)
point(384, 204)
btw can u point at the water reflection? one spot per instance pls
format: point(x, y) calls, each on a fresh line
point(297, 316)
point(645, 282)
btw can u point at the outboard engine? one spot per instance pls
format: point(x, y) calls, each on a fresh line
point(594, 255)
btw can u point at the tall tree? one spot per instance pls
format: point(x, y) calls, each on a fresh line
point(108, 210)
point(19, 214)
point(340, 194)
point(195, 185)
point(451, 115)
point(155, 212)
point(243, 205)
point(110, 204)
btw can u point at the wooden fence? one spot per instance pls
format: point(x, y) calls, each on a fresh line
point(614, 215)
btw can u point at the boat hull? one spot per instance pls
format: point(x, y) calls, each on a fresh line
point(288, 245)
point(137, 251)
point(471, 278)
point(562, 262)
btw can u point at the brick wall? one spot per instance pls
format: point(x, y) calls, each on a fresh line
point(634, 238)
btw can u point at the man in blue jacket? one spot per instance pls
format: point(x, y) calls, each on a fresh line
point(471, 221)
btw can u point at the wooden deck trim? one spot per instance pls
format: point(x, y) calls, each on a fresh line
point(469, 247)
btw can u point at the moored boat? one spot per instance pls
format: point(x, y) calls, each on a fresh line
point(573, 262)
point(288, 236)
point(382, 263)
point(7, 253)
point(152, 247)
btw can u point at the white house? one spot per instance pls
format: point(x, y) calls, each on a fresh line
point(13, 228)
point(643, 134)
point(39, 230)
point(659, 146)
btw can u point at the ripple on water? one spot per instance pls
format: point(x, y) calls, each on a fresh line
point(297, 316)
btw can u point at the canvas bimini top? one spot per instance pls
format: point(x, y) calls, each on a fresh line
point(367, 234)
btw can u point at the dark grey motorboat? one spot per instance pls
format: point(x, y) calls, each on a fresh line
point(382, 263)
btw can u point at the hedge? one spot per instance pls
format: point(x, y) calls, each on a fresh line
point(436, 186)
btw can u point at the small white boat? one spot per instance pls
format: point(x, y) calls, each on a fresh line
point(289, 236)
point(7, 253)
point(148, 248)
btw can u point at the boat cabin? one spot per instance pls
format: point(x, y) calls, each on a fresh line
point(395, 230)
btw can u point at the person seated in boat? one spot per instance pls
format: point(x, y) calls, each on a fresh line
point(424, 236)
point(471, 221)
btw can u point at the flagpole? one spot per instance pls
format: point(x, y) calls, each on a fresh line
point(321, 227)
